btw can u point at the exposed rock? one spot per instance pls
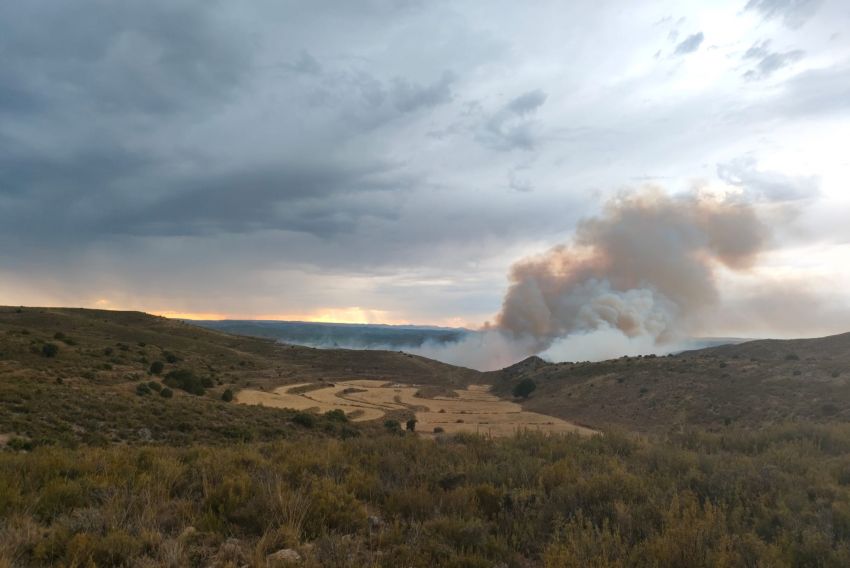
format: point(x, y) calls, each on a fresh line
point(283, 557)
point(188, 532)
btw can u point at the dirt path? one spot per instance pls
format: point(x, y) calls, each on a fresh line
point(474, 409)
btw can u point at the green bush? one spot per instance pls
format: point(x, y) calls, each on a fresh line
point(186, 380)
point(227, 395)
point(166, 393)
point(336, 415)
point(392, 425)
point(411, 425)
point(155, 386)
point(142, 389)
point(305, 419)
point(157, 367)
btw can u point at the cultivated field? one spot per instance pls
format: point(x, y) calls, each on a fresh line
point(473, 409)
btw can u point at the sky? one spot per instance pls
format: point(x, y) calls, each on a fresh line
point(390, 160)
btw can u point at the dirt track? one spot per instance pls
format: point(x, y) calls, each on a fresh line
point(473, 410)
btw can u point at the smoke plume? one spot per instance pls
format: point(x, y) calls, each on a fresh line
point(646, 267)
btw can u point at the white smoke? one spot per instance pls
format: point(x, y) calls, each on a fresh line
point(635, 279)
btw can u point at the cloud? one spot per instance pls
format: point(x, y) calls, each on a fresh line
point(689, 44)
point(527, 103)
point(767, 186)
point(794, 13)
point(768, 62)
point(512, 127)
point(279, 157)
point(815, 92)
point(305, 63)
point(409, 97)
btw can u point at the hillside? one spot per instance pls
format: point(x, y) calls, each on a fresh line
point(88, 390)
point(97, 468)
point(752, 383)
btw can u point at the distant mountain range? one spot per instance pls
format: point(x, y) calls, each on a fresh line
point(351, 336)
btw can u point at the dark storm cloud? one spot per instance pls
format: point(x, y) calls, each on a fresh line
point(153, 57)
point(793, 13)
point(231, 145)
point(286, 197)
point(690, 44)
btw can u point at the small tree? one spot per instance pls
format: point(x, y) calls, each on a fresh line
point(157, 367)
point(50, 350)
point(227, 395)
point(524, 388)
point(411, 425)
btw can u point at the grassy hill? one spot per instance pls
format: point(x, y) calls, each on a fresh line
point(748, 384)
point(88, 390)
point(97, 468)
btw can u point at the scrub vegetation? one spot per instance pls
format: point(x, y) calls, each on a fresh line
point(105, 462)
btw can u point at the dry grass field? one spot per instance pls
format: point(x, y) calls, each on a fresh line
point(473, 409)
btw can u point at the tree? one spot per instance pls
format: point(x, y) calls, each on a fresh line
point(411, 425)
point(524, 388)
point(157, 367)
point(227, 395)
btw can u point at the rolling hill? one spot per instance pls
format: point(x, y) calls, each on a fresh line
point(747, 461)
point(88, 390)
point(749, 384)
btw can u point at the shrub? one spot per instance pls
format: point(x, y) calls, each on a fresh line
point(155, 386)
point(524, 388)
point(792, 357)
point(108, 351)
point(157, 367)
point(49, 350)
point(142, 389)
point(392, 425)
point(411, 425)
point(166, 393)
point(185, 380)
point(336, 415)
point(59, 336)
point(304, 419)
point(170, 357)
point(438, 430)
point(227, 395)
